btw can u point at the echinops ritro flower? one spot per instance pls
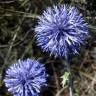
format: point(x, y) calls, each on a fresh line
point(25, 78)
point(61, 29)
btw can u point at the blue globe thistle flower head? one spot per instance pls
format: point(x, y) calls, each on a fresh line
point(60, 30)
point(25, 78)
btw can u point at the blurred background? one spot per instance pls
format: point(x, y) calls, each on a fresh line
point(18, 19)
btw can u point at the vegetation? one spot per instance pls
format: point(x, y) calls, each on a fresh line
point(17, 41)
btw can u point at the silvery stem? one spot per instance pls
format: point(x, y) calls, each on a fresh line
point(70, 75)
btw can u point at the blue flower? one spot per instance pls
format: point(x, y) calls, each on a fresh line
point(61, 30)
point(25, 78)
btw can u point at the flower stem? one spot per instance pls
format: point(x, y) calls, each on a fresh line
point(70, 76)
point(70, 80)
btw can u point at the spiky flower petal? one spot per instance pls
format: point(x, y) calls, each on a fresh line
point(61, 29)
point(25, 78)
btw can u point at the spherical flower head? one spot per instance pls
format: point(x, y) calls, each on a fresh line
point(60, 30)
point(25, 78)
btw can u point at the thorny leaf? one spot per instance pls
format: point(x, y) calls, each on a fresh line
point(65, 78)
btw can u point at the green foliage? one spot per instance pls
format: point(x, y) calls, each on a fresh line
point(65, 78)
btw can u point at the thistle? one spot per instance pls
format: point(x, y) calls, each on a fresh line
point(25, 78)
point(60, 30)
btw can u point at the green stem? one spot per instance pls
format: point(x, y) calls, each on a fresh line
point(70, 76)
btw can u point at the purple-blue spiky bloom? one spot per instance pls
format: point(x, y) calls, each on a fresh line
point(60, 30)
point(25, 78)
